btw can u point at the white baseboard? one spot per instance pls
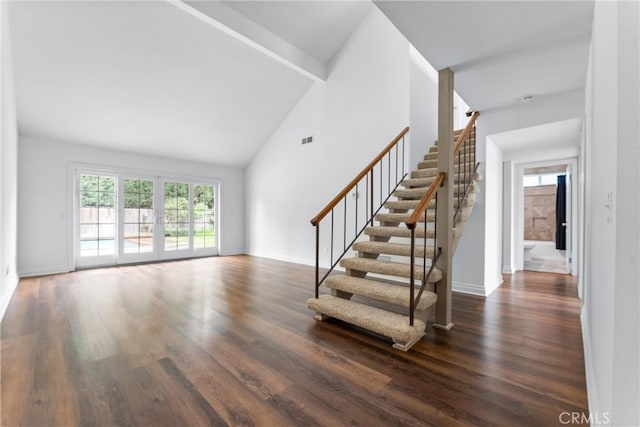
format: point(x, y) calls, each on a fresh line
point(11, 284)
point(592, 392)
point(229, 252)
point(285, 259)
point(468, 288)
point(44, 271)
point(509, 269)
point(490, 287)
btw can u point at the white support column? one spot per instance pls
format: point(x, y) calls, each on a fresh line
point(444, 233)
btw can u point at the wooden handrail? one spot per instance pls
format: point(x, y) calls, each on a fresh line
point(332, 204)
point(422, 205)
point(465, 133)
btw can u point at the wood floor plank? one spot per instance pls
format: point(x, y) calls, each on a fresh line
point(230, 341)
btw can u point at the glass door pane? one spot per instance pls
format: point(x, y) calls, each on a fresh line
point(96, 219)
point(204, 220)
point(177, 216)
point(138, 219)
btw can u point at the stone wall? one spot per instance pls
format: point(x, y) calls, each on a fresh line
point(540, 213)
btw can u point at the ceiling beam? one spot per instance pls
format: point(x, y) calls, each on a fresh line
point(238, 26)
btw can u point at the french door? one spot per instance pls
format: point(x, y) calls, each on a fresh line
point(126, 218)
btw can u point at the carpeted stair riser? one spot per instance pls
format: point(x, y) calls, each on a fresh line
point(397, 294)
point(398, 249)
point(388, 268)
point(392, 325)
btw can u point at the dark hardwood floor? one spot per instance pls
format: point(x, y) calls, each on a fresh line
point(229, 341)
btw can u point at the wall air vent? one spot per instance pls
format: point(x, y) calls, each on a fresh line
point(527, 99)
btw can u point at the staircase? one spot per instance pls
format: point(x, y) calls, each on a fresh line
point(376, 290)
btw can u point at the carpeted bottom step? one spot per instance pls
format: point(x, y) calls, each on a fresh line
point(381, 291)
point(383, 322)
point(388, 268)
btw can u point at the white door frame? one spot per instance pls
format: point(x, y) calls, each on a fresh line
point(76, 169)
point(517, 239)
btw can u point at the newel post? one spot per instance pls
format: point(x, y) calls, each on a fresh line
point(444, 233)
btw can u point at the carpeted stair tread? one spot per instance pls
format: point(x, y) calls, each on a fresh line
point(468, 155)
point(432, 171)
point(425, 164)
point(418, 192)
point(403, 217)
point(420, 182)
point(392, 325)
point(434, 148)
point(399, 231)
point(389, 268)
point(411, 204)
point(394, 294)
point(400, 249)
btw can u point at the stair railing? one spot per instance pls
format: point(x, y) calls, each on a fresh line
point(422, 210)
point(464, 147)
point(382, 168)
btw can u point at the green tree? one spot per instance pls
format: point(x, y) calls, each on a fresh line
point(97, 191)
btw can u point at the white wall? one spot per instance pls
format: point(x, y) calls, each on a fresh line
point(472, 266)
point(360, 108)
point(45, 225)
point(493, 218)
point(469, 259)
point(423, 106)
point(612, 253)
point(8, 167)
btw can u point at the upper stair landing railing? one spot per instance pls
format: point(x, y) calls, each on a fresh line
point(465, 154)
point(379, 179)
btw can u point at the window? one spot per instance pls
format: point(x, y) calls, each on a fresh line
point(124, 218)
point(177, 227)
point(540, 180)
point(97, 215)
point(204, 229)
point(138, 218)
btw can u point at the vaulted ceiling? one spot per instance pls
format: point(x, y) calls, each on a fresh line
point(211, 80)
point(166, 78)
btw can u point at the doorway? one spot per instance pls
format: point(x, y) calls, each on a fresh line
point(124, 218)
point(545, 224)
